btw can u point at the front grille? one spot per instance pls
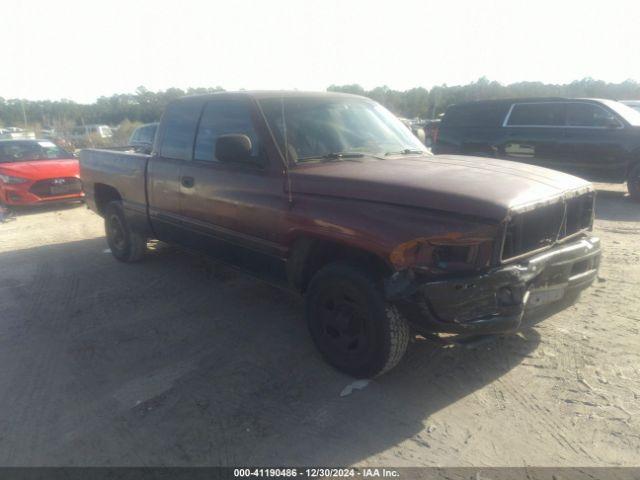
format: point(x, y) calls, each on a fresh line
point(579, 214)
point(541, 227)
point(55, 187)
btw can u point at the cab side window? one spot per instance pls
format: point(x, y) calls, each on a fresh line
point(544, 114)
point(587, 115)
point(483, 115)
point(222, 117)
point(180, 120)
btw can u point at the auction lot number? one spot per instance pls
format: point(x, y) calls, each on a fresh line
point(314, 472)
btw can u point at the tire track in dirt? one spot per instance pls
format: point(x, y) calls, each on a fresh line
point(38, 294)
point(541, 416)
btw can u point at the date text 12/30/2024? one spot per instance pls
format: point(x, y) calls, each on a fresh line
point(315, 473)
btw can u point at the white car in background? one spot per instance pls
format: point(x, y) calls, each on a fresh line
point(84, 133)
point(635, 104)
point(15, 133)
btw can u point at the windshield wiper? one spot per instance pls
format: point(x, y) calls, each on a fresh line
point(407, 151)
point(333, 156)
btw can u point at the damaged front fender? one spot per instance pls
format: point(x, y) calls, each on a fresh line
point(494, 301)
point(453, 251)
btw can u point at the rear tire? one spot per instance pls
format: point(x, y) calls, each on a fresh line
point(126, 245)
point(633, 182)
point(352, 325)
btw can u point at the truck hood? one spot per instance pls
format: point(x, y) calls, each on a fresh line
point(42, 169)
point(477, 186)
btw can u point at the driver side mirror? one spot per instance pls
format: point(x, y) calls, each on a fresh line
point(234, 148)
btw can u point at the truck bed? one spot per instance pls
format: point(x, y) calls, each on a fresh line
point(123, 171)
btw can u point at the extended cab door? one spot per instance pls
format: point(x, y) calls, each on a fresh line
point(531, 133)
point(233, 209)
point(173, 148)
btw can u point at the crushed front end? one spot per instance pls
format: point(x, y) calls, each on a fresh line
point(545, 255)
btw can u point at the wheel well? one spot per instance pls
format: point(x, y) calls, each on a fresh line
point(309, 255)
point(105, 194)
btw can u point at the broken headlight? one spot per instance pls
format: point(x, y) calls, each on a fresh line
point(437, 256)
point(446, 256)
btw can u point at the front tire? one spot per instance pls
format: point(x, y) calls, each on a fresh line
point(355, 329)
point(126, 245)
point(633, 182)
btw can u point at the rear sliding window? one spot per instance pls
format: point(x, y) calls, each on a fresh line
point(470, 115)
point(180, 120)
point(545, 114)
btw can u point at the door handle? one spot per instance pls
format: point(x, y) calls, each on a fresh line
point(188, 182)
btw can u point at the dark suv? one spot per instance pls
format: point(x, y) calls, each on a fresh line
point(142, 137)
point(594, 138)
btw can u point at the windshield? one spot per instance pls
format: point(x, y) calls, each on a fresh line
point(21, 151)
point(336, 128)
point(629, 114)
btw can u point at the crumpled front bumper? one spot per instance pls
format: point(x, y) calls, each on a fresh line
point(495, 301)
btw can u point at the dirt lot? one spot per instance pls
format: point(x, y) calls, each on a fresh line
point(176, 361)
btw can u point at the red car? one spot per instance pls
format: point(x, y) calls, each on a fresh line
point(37, 171)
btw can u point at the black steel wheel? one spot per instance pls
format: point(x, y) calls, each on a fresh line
point(352, 325)
point(125, 245)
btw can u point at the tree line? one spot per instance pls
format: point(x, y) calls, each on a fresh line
point(142, 106)
point(145, 106)
point(423, 103)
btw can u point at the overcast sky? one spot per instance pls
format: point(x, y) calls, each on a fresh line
point(81, 50)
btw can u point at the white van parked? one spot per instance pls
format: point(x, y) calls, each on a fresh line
point(86, 132)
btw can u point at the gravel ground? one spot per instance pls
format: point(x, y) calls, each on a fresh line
point(177, 361)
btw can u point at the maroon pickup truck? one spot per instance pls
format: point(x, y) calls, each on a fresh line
point(330, 195)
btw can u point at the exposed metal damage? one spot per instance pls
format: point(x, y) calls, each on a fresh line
point(495, 300)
